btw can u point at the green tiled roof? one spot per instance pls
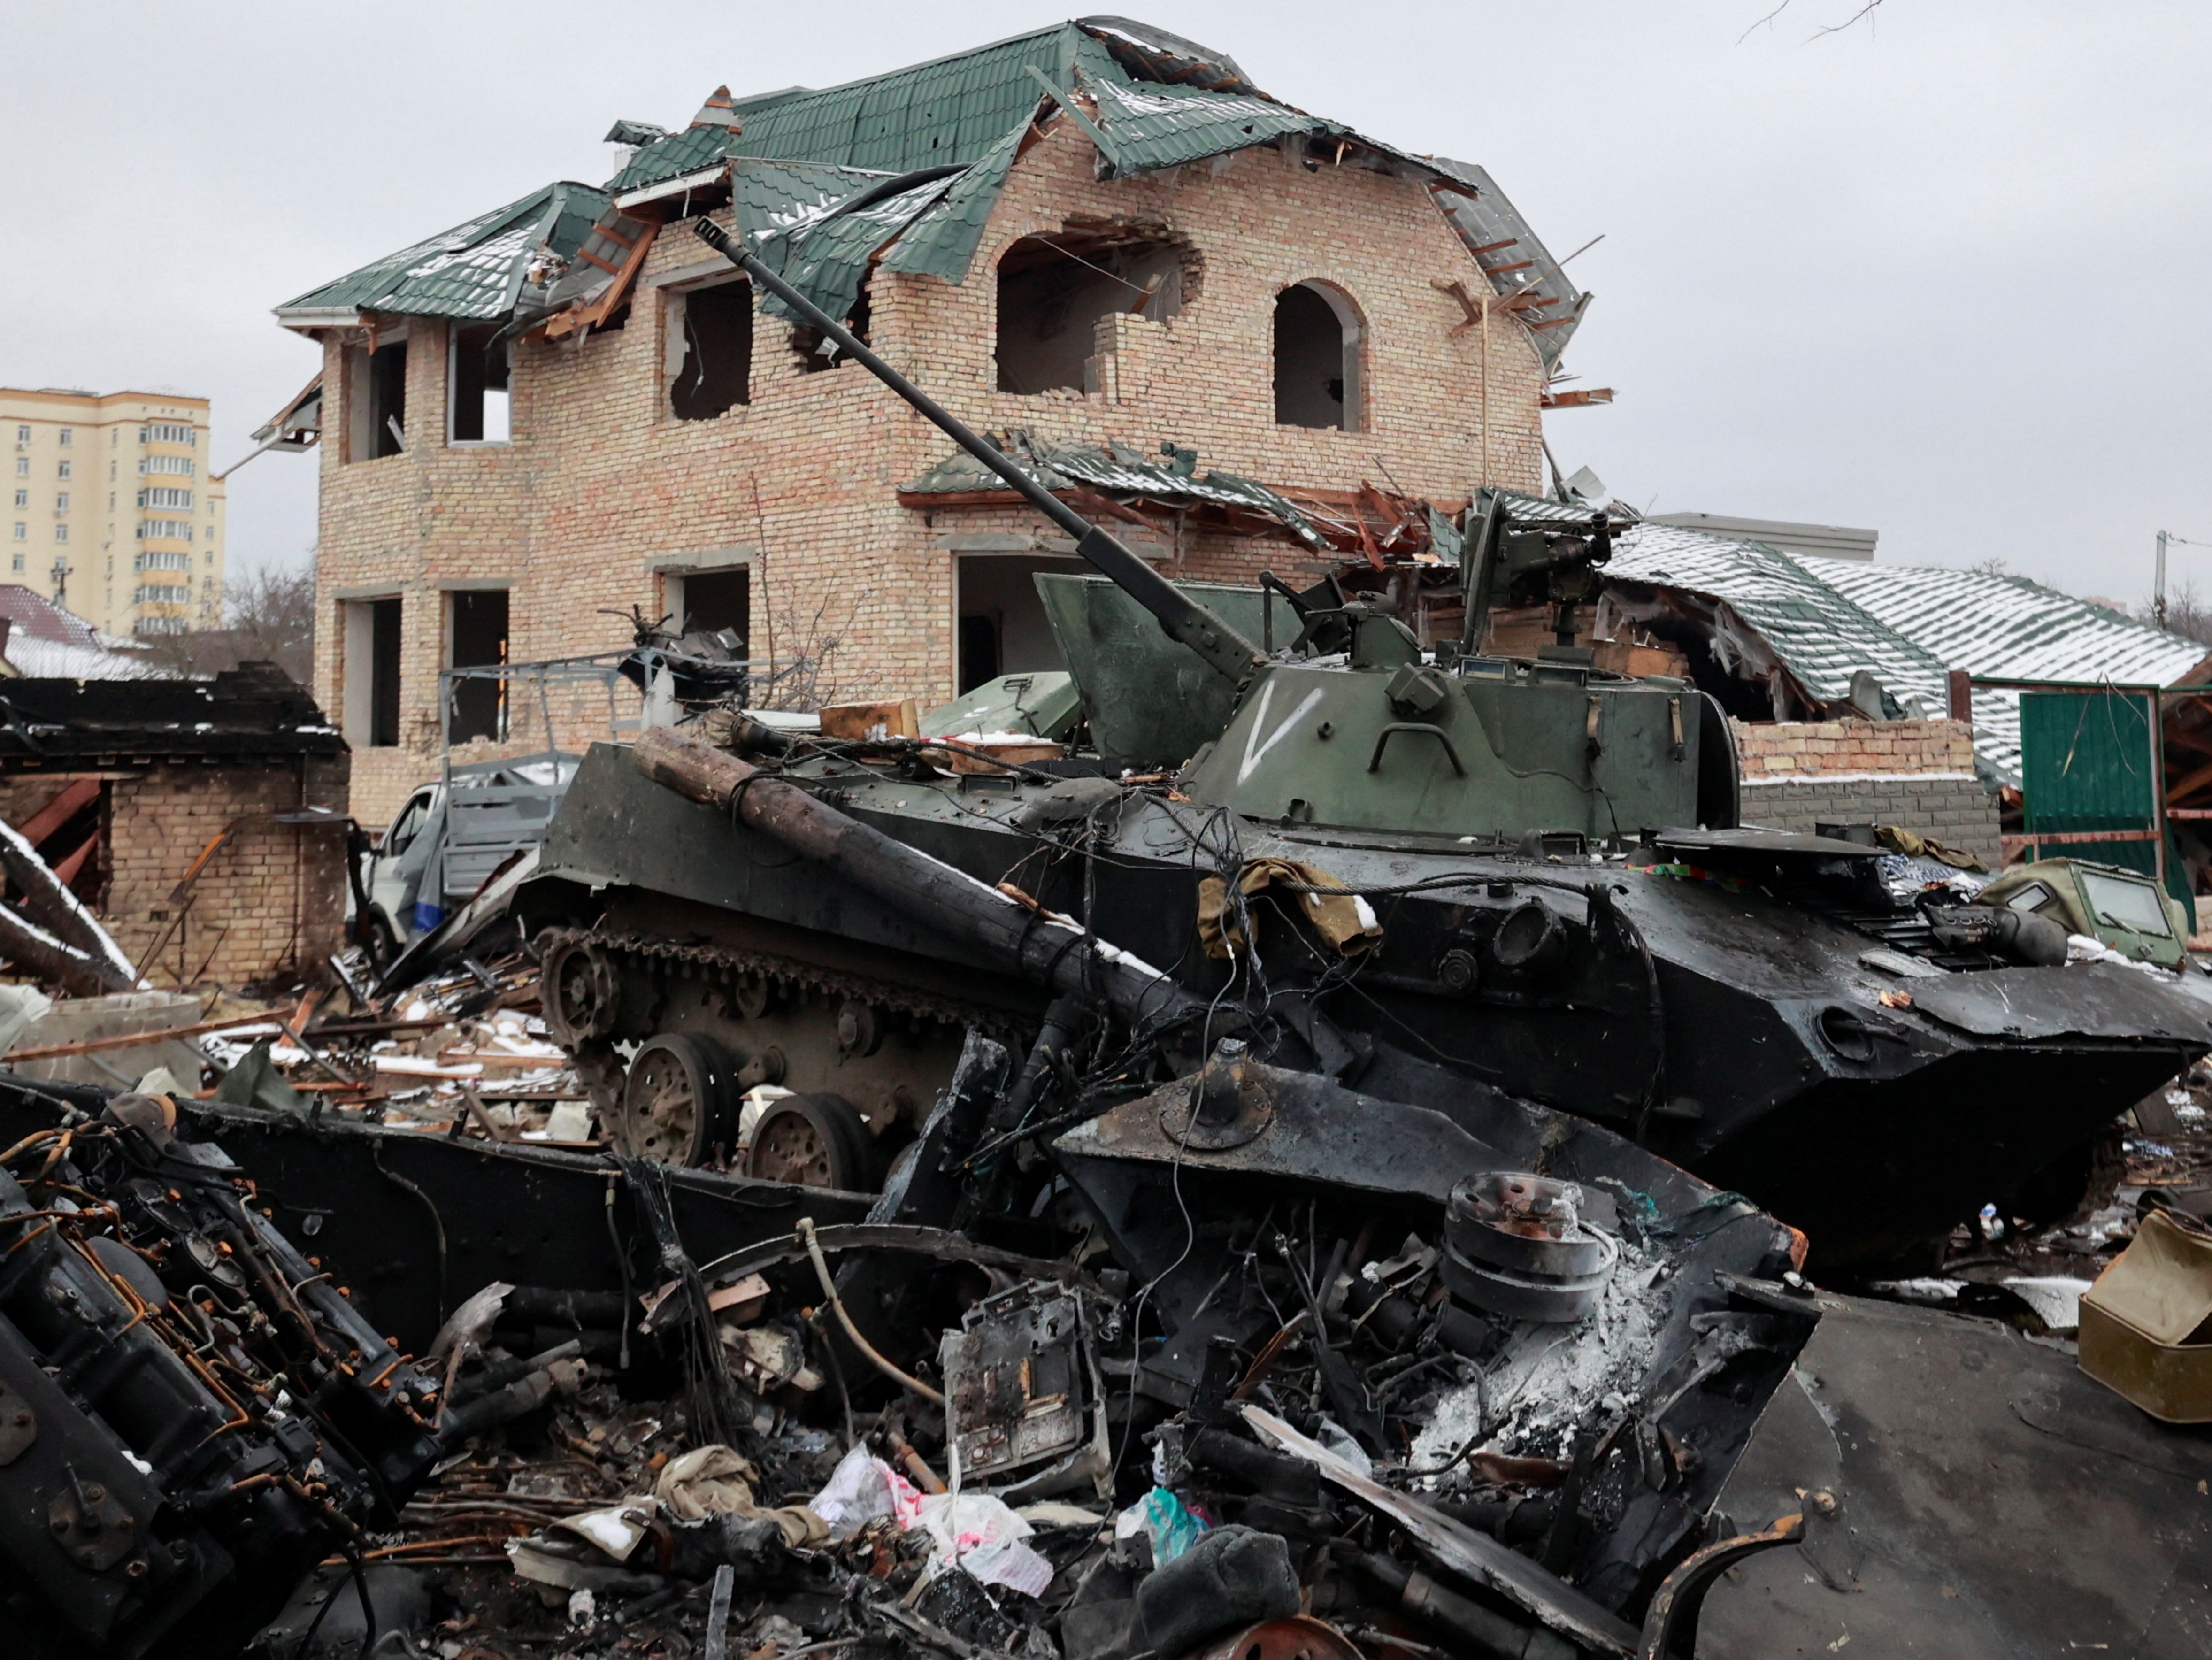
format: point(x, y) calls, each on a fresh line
point(1161, 101)
point(1160, 126)
point(943, 241)
point(948, 112)
point(1825, 619)
point(474, 270)
point(827, 258)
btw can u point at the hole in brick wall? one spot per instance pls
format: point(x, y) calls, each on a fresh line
point(711, 349)
point(478, 619)
point(1053, 290)
point(476, 387)
point(1316, 358)
point(816, 351)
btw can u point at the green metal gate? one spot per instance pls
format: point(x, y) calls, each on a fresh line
point(2091, 763)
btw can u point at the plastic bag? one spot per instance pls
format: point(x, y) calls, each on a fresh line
point(1163, 1518)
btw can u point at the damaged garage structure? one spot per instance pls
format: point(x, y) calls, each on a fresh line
point(1094, 239)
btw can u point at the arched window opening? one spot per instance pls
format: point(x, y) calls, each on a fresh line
point(1053, 290)
point(1316, 359)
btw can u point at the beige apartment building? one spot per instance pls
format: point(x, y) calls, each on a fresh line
point(1247, 338)
point(113, 508)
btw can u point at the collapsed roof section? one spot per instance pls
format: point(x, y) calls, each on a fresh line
point(476, 272)
point(902, 170)
point(255, 709)
point(1119, 474)
point(1806, 625)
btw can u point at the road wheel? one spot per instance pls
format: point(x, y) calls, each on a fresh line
point(581, 991)
point(813, 1141)
point(675, 1103)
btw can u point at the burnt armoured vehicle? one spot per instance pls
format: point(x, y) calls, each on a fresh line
point(1420, 873)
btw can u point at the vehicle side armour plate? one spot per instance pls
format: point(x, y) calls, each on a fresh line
point(2087, 999)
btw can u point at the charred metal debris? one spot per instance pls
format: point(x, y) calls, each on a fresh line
point(1190, 1370)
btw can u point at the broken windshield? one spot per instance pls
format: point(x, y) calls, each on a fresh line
point(2120, 903)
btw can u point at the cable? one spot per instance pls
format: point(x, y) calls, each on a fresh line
point(868, 1350)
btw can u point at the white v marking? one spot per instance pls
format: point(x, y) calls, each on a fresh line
point(1254, 756)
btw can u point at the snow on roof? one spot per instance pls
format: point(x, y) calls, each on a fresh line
point(1909, 625)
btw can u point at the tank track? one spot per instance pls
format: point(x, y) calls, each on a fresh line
point(791, 972)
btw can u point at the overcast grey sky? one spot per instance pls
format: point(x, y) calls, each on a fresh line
point(1941, 273)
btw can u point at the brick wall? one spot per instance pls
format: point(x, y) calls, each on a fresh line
point(1796, 747)
point(600, 481)
point(272, 902)
point(1917, 774)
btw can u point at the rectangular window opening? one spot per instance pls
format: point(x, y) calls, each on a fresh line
point(371, 673)
point(714, 602)
point(380, 402)
point(710, 350)
point(476, 387)
point(477, 638)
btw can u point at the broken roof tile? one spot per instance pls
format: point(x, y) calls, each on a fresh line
point(474, 270)
point(1161, 100)
point(1113, 471)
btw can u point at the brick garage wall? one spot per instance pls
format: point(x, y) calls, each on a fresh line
point(600, 481)
point(1917, 773)
point(272, 902)
point(1790, 748)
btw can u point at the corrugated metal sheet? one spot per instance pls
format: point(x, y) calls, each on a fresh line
point(2086, 764)
point(474, 270)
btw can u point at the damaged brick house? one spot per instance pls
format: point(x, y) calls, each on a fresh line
point(1249, 336)
point(203, 822)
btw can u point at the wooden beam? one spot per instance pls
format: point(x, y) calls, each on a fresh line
point(65, 872)
point(58, 811)
point(1576, 400)
point(2191, 784)
point(129, 1039)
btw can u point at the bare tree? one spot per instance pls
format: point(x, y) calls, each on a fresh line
point(1865, 9)
point(807, 672)
point(269, 617)
point(2188, 612)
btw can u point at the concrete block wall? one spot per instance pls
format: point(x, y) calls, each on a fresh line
point(1917, 773)
point(1957, 812)
point(271, 902)
point(600, 481)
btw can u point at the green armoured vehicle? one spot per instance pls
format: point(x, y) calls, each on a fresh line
point(1429, 873)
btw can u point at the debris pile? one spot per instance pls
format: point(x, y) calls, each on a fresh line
point(1136, 1384)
